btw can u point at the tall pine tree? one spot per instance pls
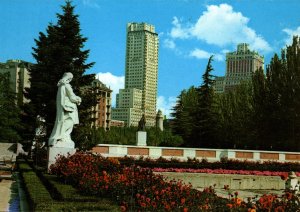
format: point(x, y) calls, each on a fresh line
point(57, 51)
point(205, 124)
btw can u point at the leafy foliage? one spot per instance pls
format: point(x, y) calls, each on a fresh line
point(261, 114)
point(57, 51)
point(10, 123)
point(127, 136)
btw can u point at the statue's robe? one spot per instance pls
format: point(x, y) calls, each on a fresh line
point(66, 109)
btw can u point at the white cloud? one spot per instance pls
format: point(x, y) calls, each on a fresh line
point(91, 3)
point(201, 54)
point(170, 44)
point(221, 26)
point(166, 104)
point(177, 31)
point(114, 82)
point(290, 33)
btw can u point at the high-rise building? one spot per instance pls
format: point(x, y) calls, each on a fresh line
point(102, 110)
point(141, 68)
point(240, 65)
point(19, 77)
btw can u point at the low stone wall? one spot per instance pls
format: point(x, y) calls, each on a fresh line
point(111, 150)
point(235, 182)
point(8, 152)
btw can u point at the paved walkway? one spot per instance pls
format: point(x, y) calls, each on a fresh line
point(5, 191)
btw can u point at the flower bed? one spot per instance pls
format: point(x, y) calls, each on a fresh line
point(139, 189)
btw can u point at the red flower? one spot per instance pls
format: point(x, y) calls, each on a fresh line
point(229, 205)
point(123, 208)
point(148, 199)
point(182, 201)
point(153, 204)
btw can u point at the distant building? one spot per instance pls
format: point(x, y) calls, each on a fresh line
point(19, 77)
point(117, 123)
point(102, 111)
point(240, 65)
point(141, 68)
point(219, 84)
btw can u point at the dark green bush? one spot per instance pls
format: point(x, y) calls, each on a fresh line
point(77, 206)
point(23, 166)
point(68, 192)
point(204, 164)
point(36, 192)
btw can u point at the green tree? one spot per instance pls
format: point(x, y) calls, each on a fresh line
point(261, 113)
point(183, 119)
point(204, 132)
point(283, 75)
point(234, 117)
point(57, 51)
point(10, 123)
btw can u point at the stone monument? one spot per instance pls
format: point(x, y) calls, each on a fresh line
point(292, 183)
point(60, 142)
point(141, 134)
point(160, 120)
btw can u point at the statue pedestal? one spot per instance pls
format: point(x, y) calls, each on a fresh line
point(54, 152)
point(141, 138)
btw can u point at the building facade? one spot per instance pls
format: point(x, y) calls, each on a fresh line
point(19, 77)
point(141, 68)
point(240, 65)
point(219, 84)
point(102, 110)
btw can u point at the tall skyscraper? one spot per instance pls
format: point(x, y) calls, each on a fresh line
point(141, 68)
point(240, 65)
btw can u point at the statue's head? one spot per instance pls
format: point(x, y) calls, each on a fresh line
point(67, 77)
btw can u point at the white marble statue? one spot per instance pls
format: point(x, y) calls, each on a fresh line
point(66, 113)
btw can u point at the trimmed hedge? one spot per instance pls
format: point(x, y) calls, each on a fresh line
point(69, 193)
point(36, 191)
point(204, 164)
point(76, 206)
point(46, 193)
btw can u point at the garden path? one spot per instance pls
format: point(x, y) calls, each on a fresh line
point(5, 191)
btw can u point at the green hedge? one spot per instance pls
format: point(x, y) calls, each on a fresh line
point(36, 192)
point(23, 166)
point(76, 206)
point(69, 193)
point(204, 164)
point(46, 193)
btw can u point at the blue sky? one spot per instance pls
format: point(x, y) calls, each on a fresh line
point(189, 32)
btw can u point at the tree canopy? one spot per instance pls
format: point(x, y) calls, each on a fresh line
point(10, 123)
point(263, 113)
point(60, 49)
